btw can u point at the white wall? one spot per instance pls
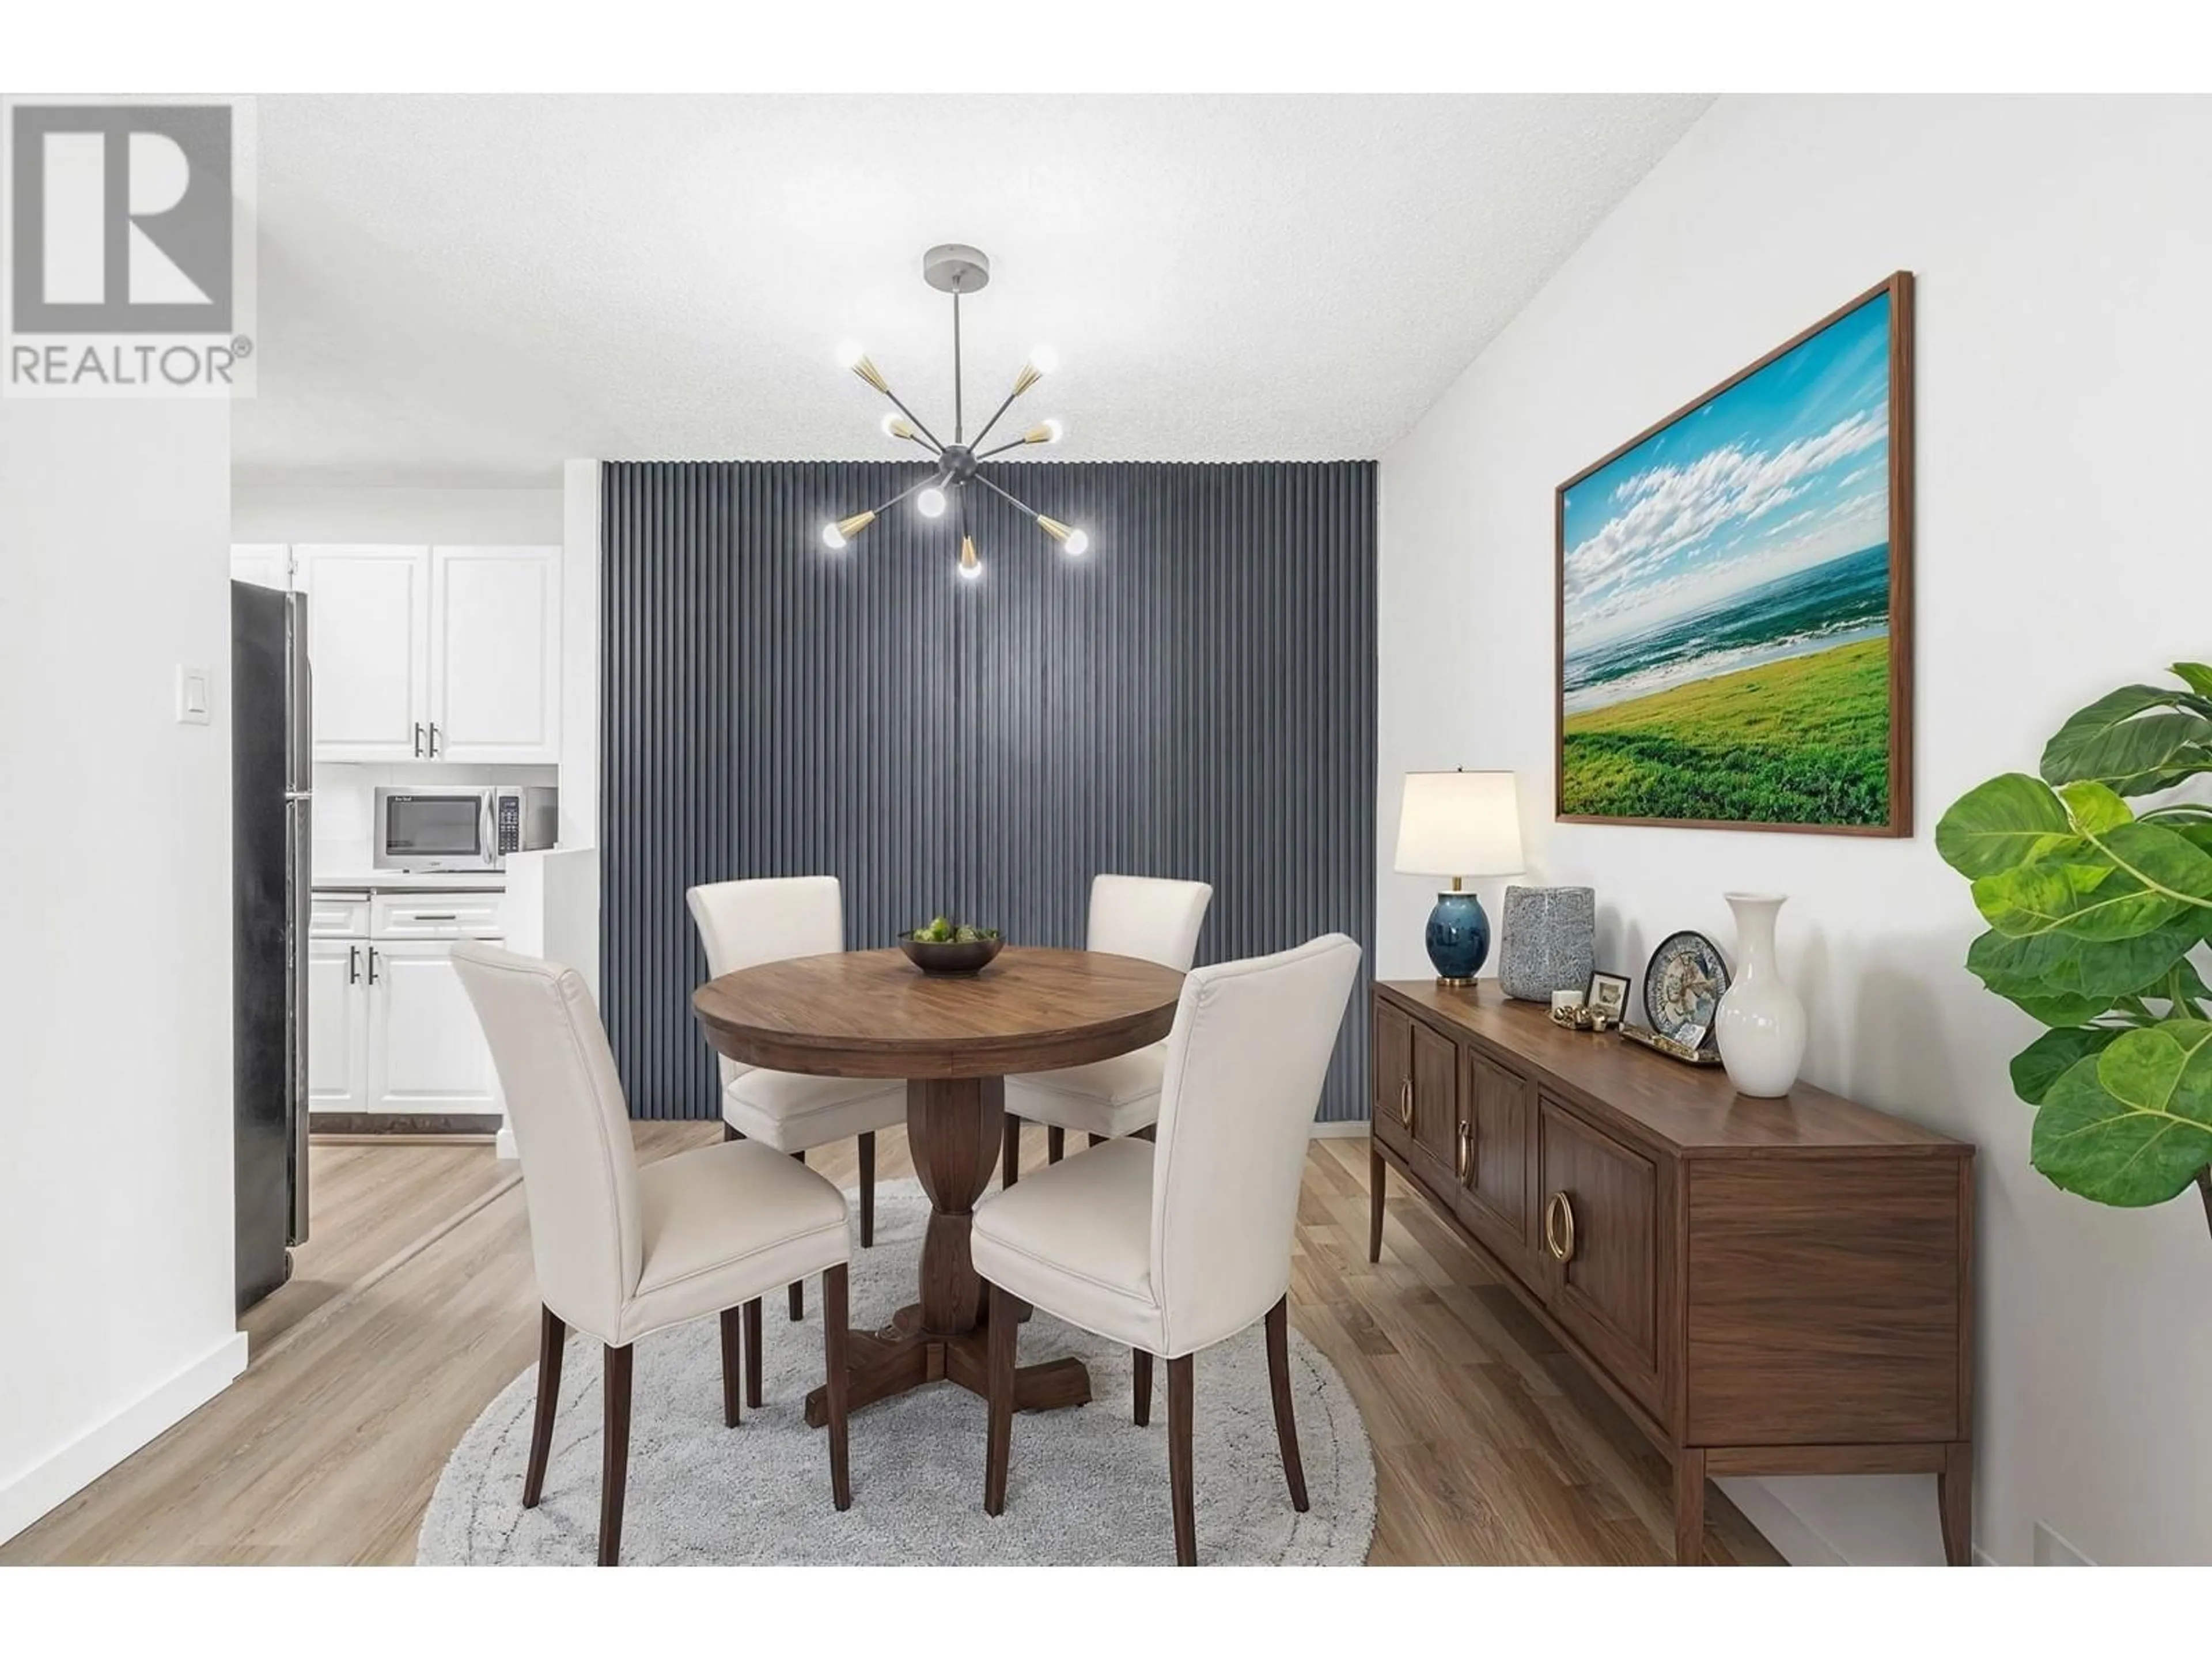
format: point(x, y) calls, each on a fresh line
point(116, 1272)
point(2061, 249)
point(269, 509)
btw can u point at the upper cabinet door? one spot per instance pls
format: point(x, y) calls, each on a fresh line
point(495, 653)
point(368, 614)
point(265, 564)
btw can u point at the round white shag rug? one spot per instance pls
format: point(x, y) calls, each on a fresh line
point(1087, 1486)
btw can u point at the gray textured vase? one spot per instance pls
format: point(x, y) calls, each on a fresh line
point(1550, 941)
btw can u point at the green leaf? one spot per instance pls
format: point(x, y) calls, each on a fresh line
point(2058, 1010)
point(2094, 809)
point(2132, 1124)
point(2080, 893)
point(2113, 967)
point(2001, 825)
point(2041, 1064)
point(2119, 741)
point(2022, 966)
point(2197, 675)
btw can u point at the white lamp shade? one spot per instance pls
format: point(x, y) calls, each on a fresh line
point(1459, 824)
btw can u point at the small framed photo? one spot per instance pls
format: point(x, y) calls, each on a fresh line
point(1608, 995)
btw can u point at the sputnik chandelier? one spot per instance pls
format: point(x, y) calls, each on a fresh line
point(956, 269)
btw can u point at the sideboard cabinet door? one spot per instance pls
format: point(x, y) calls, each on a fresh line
point(1392, 1109)
point(1496, 1163)
point(1435, 1108)
point(1599, 1211)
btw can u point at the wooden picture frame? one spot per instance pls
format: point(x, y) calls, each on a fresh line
point(1620, 761)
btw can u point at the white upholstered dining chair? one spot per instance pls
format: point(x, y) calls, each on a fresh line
point(1130, 916)
point(1174, 1246)
point(623, 1252)
point(743, 924)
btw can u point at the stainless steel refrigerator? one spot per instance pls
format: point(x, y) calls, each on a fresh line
point(272, 841)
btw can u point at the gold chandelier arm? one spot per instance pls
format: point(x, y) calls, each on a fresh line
point(865, 367)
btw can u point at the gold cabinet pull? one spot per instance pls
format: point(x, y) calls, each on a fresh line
point(1466, 1150)
point(1560, 1227)
point(1405, 1103)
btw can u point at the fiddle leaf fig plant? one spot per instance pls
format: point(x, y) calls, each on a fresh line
point(2095, 878)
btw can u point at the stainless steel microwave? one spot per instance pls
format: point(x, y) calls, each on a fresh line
point(420, 829)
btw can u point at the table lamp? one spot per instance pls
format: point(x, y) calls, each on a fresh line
point(1459, 824)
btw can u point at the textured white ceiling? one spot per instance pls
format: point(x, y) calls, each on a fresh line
point(469, 290)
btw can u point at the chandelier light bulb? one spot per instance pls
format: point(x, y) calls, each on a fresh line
point(970, 566)
point(833, 538)
point(896, 425)
point(931, 502)
point(1044, 358)
point(1044, 432)
point(1078, 542)
point(849, 354)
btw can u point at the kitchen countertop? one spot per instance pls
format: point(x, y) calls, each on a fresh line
point(342, 880)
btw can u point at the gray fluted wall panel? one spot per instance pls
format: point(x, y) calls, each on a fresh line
point(1194, 697)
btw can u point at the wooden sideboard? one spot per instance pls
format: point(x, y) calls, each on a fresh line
point(1764, 1286)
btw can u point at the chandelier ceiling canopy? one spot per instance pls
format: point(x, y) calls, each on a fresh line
point(956, 269)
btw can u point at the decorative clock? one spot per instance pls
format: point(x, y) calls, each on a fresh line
point(1683, 988)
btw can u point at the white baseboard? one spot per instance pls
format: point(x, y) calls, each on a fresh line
point(99, 1449)
point(503, 1145)
point(1351, 1129)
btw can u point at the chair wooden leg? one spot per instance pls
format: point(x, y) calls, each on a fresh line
point(614, 1469)
point(868, 1190)
point(1010, 1152)
point(733, 1355)
point(552, 1338)
point(1005, 1325)
point(797, 1295)
point(837, 1380)
point(1377, 1175)
point(1055, 1144)
point(1182, 1489)
point(753, 1353)
point(1279, 1384)
point(1141, 1363)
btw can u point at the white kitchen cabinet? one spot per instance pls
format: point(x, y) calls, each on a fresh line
point(426, 1051)
point(389, 1028)
point(263, 564)
point(495, 653)
point(338, 1025)
point(368, 625)
point(446, 653)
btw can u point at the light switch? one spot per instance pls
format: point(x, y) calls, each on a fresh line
point(195, 703)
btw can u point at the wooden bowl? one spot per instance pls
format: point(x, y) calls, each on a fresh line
point(949, 958)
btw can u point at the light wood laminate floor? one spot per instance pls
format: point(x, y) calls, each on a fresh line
point(413, 1306)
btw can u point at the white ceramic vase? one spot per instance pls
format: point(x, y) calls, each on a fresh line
point(1760, 1027)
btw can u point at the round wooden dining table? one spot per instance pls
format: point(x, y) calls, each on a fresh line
point(954, 1039)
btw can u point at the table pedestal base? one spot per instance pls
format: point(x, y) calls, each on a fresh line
point(902, 1357)
point(954, 1129)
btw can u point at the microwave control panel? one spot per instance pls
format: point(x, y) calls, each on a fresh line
point(509, 831)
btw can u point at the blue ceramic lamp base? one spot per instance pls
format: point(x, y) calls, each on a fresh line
point(1458, 937)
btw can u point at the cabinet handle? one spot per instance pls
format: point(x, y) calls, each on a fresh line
point(433, 739)
point(418, 740)
point(1406, 1104)
point(1560, 1227)
point(353, 964)
point(426, 916)
point(372, 965)
point(1466, 1151)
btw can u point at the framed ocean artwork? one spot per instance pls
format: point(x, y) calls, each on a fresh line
point(1735, 597)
